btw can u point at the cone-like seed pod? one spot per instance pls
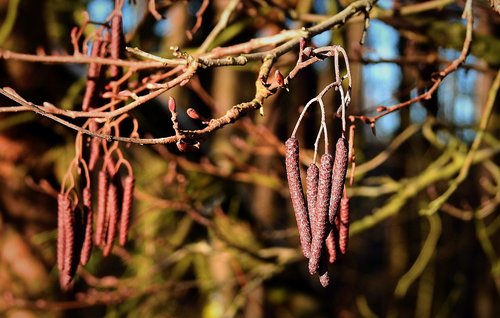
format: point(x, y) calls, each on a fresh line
point(128, 195)
point(312, 192)
point(322, 203)
point(297, 194)
point(63, 205)
point(112, 213)
point(89, 220)
point(344, 224)
point(331, 247)
point(338, 176)
point(102, 190)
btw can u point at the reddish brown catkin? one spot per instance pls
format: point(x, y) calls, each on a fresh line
point(344, 224)
point(331, 246)
point(322, 203)
point(89, 220)
point(128, 195)
point(117, 44)
point(89, 98)
point(112, 212)
point(102, 190)
point(324, 275)
point(63, 205)
point(312, 192)
point(69, 246)
point(338, 176)
point(297, 194)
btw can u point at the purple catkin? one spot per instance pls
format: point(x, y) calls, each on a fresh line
point(89, 220)
point(322, 204)
point(128, 195)
point(93, 74)
point(69, 247)
point(297, 193)
point(344, 224)
point(102, 190)
point(331, 247)
point(312, 192)
point(112, 213)
point(338, 176)
point(117, 44)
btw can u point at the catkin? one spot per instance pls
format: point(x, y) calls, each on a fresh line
point(102, 190)
point(322, 203)
point(324, 275)
point(117, 44)
point(63, 205)
point(112, 215)
point(344, 224)
point(338, 176)
point(312, 192)
point(69, 246)
point(128, 195)
point(297, 194)
point(89, 220)
point(89, 98)
point(331, 246)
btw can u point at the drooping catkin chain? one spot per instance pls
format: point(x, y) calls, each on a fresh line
point(321, 209)
point(89, 220)
point(128, 195)
point(338, 176)
point(102, 190)
point(344, 223)
point(297, 194)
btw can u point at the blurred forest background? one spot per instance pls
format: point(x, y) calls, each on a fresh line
point(212, 231)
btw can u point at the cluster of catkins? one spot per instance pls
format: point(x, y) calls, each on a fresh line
point(322, 214)
point(80, 223)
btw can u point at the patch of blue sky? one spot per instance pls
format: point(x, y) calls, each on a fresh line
point(382, 41)
point(99, 10)
point(162, 28)
point(322, 39)
point(417, 110)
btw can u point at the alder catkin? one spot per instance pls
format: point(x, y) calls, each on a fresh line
point(324, 275)
point(112, 215)
point(117, 44)
point(331, 246)
point(338, 176)
point(93, 74)
point(69, 246)
point(102, 191)
point(63, 205)
point(321, 209)
point(297, 193)
point(89, 220)
point(344, 224)
point(312, 192)
point(128, 195)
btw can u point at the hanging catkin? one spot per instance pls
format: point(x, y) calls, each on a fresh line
point(297, 193)
point(63, 205)
point(322, 203)
point(89, 220)
point(344, 224)
point(338, 176)
point(102, 190)
point(331, 245)
point(69, 246)
point(312, 192)
point(112, 214)
point(128, 194)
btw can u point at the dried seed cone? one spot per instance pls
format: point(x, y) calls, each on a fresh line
point(312, 192)
point(297, 193)
point(128, 195)
point(322, 204)
point(338, 176)
point(102, 191)
point(112, 213)
point(63, 205)
point(331, 246)
point(344, 224)
point(89, 220)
